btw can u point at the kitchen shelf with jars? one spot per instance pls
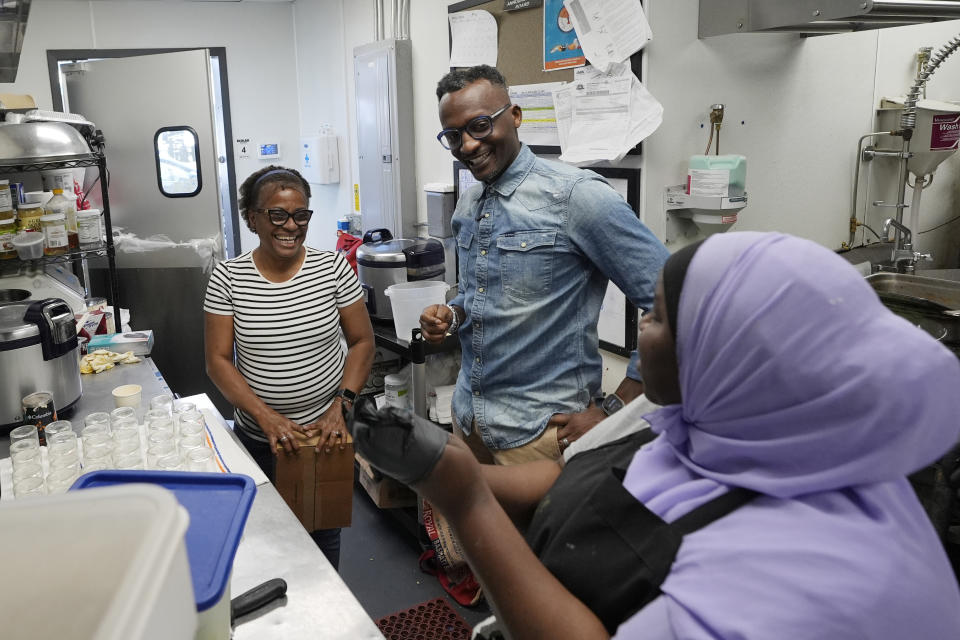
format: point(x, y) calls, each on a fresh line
point(28, 148)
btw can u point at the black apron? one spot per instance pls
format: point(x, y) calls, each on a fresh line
point(603, 544)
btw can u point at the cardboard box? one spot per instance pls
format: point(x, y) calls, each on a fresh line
point(318, 487)
point(385, 492)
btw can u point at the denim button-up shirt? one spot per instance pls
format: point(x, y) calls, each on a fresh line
point(536, 250)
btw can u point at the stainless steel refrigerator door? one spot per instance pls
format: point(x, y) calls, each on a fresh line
point(131, 100)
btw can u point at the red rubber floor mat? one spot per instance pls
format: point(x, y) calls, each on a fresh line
point(431, 620)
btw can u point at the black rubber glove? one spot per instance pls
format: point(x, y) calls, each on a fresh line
point(395, 441)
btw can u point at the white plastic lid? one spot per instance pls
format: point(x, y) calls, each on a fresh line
point(53, 217)
point(4, 182)
point(89, 213)
point(438, 187)
point(7, 220)
point(395, 380)
point(37, 197)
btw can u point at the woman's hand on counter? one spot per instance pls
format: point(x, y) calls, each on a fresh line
point(279, 430)
point(330, 428)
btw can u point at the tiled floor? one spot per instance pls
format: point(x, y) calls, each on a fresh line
point(378, 561)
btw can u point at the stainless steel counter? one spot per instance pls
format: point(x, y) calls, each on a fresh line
point(274, 545)
point(941, 274)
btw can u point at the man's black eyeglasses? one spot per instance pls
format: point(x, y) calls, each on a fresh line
point(478, 128)
point(279, 217)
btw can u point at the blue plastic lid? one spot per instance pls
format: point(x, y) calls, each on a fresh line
point(218, 504)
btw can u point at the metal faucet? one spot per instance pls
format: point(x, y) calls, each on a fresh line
point(903, 257)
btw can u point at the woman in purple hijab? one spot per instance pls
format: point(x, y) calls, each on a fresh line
point(773, 502)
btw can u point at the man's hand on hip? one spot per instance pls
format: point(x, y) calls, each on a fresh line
point(570, 426)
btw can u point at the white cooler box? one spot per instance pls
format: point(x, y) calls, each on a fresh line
point(103, 564)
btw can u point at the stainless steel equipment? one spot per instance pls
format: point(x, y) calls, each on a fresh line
point(38, 352)
point(383, 261)
point(812, 17)
point(38, 141)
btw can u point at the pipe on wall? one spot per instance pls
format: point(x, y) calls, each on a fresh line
point(378, 6)
point(396, 19)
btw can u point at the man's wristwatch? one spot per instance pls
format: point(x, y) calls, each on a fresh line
point(455, 323)
point(611, 404)
point(346, 396)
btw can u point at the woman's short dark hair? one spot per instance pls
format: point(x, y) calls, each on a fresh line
point(272, 174)
point(460, 78)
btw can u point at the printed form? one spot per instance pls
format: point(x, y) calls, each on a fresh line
point(539, 113)
point(610, 30)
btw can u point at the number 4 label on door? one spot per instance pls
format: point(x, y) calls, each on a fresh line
point(243, 148)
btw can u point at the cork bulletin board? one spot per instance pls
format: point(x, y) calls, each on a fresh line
point(520, 50)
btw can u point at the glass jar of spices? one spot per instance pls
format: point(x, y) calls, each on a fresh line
point(8, 231)
point(54, 234)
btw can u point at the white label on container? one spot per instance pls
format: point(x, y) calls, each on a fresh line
point(88, 230)
point(59, 180)
point(710, 182)
point(6, 201)
point(55, 236)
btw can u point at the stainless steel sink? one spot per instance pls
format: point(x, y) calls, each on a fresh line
point(930, 303)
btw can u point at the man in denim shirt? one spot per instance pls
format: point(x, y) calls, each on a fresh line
point(537, 243)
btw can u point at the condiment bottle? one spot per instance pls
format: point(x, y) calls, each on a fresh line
point(8, 231)
point(30, 212)
point(67, 206)
point(88, 229)
point(6, 198)
point(54, 234)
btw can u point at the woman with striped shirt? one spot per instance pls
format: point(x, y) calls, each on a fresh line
point(282, 308)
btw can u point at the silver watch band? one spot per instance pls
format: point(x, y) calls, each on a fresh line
point(455, 324)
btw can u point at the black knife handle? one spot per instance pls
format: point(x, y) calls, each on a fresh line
point(257, 597)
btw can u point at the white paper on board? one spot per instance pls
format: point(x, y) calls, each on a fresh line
point(539, 112)
point(610, 30)
point(608, 114)
point(474, 39)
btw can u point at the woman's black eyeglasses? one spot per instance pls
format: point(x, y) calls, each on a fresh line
point(478, 128)
point(279, 217)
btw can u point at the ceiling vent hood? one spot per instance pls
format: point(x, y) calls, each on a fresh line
point(13, 26)
point(812, 17)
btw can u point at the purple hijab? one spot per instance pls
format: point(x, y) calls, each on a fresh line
point(797, 383)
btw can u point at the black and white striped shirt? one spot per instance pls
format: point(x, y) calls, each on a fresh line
point(287, 334)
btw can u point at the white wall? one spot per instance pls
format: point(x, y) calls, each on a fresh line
point(327, 32)
point(322, 78)
point(259, 41)
point(803, 103)
point(795, 108)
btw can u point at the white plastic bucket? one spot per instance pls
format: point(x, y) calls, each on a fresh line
point(104, 564)
point(409, 299)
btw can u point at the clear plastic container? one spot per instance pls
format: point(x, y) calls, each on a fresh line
point(409, 299)
point(29, 245)
point(126, 545)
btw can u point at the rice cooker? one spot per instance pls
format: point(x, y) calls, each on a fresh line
point(383, 261)
point(38, 352)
